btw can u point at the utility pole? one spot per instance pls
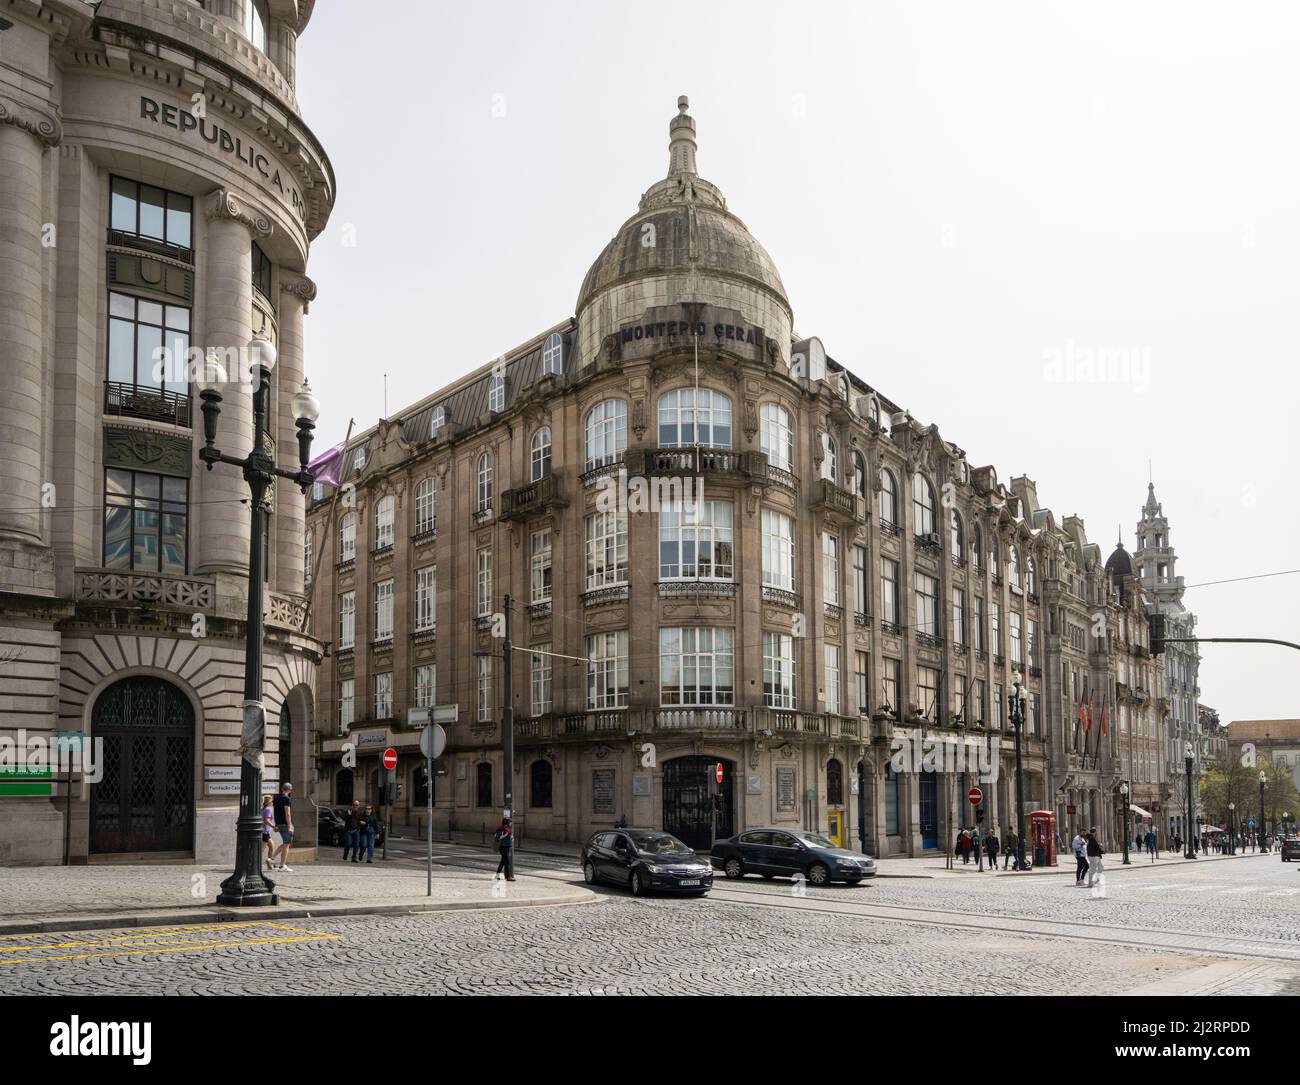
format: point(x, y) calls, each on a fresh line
point(508, 720)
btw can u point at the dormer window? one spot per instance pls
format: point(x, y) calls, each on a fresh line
point(257, 23)
point(497, 392)
point(438, 420)
point(552, 355)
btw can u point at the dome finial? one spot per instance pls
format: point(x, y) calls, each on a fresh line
point(681, 141)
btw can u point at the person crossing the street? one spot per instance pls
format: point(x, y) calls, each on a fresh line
point(1080, 848)
point(505, 839)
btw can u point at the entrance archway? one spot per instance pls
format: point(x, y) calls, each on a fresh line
point(144, 801)
point(688, 810)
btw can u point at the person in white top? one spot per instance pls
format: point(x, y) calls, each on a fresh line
point(1080, 849)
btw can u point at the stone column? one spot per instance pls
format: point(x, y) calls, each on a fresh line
point(24, 135)
point(289, 522)
point(223, 538)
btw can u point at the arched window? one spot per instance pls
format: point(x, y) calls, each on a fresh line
point(1031, 572)
point(874, 412)
point(977, 546)
point(995, 555)
point(690, 416)
point(844, 387)
point(888, 498)
point(426, 507)
point(437, 421)
point(830, 463)
point(775, 435)
point(542, 776)
point(541, 453)
point(497, 392)
point(922, 505)
point(958, 536)
point(385, 513)
point(359, 461)
point(552, 354)
point(257, 23)
point(606, 433)
point(348, 536)
point(834, 783)
point(483, 784)
point(1013, 565)
point(485, 481)
point(859, 474)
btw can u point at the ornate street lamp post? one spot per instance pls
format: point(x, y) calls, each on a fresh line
point(1123, 798)
point(1259, 829)
point(247, 886)
point(1019, 695)
point(1189, 822)
point(1232, 828)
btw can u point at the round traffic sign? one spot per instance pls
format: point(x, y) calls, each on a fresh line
point(975, 795)
point(390, 758)
point(717, 772)
point(433, 740)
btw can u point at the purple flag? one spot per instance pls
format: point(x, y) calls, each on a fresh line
point(328, 466)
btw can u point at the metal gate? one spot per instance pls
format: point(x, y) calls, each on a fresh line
point(144, 800)
point(929, 810)
point(688, 801)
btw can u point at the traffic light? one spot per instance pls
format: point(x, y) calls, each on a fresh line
point(717, 803)
point(979, 815)
point(1157, 633)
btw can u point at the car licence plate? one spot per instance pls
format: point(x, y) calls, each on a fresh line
point(689, 881)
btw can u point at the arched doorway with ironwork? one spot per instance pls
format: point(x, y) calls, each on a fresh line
point(689, 807)
point(144, 800)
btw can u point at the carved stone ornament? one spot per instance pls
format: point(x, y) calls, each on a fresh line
point(299, 286)
point(46, 127)
point(751, 420)
point(786, 751)
point(612, 347)
point(224, 204)
point(601, 753)
point(638, 418)
point(144, 450)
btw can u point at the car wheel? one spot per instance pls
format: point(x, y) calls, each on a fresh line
point(733, 868)
point(636, 885)
point(589, 873)
point(819, 874)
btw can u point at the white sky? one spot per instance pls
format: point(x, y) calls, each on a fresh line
point(955, 194)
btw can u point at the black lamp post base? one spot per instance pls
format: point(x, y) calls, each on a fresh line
point(248, 891)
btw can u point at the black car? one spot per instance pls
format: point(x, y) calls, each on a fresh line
point(789, 852)
point(1290, 848)
point(645, 860)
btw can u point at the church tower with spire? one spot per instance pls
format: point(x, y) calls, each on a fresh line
point(1155, 562)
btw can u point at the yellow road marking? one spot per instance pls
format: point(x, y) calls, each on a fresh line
point(122, 952)
point(146, 935)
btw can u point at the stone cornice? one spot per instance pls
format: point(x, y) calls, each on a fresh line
point(43, 125)
point(223, 204)
point(301, 287)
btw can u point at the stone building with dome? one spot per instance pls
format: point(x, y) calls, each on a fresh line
point(845, 593)
point(158, 188)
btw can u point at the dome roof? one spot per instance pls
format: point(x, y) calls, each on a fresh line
point(1119, 563)
point(683, 227)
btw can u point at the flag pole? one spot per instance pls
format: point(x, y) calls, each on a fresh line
point(329, 527)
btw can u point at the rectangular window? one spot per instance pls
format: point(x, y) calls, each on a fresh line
point(864, 687)
point(981, 707)
point(384, 610)
point(959, 700)
point(995, 627)
point(998, 719)
point(778, 670)
point(347, 693)
point(347, 619)
point(348, 538)
point(831, 666)
point(1032, 630)
point(1036, 714)
point(958, 616)
point(891, 685)
point(484, 583)
point(695, 541)
point(830, 569)
point(307, 550)
point(426, 507)
point(484, 689)
point(606, 549)
point(384, 695)
point(426, 685)
point(148, 344)
point(980, 618)
point(697, 666)
point(778, 550)
point(262, 273)
point(385, 515)
point(539, 547)
point(426, 598)
point(927, 604)
point(146, 522)
point(151, 213)
point(889, 602)
point(607, 670)
point(861, 585)
point(540, 679)
point(1017, 648)
point(927, 692)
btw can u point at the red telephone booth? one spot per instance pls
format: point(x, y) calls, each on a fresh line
point(1042, 837)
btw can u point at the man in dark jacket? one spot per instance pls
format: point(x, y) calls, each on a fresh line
point(505, 838)
point(991, 848)
point(353, 822)
point(1012, 850)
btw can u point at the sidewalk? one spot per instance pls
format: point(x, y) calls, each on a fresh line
point(37, 899)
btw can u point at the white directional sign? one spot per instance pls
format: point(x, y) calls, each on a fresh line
point(439, 713)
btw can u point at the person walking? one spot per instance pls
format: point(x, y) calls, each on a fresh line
point(1093, 849)
point(352, 830)
point(1151, 844)
point(991, 848)
point(282, 809)
point(268, 823)
point(976, 848)
point(369, 830)
point(505, 838)
point(1080, 848)
point(1012, 851)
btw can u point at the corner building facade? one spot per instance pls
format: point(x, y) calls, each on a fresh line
point(158, 188)
point(845, 585)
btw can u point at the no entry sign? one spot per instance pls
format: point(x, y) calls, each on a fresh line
point(975, 795)
point(717, 772)
point(390, 758)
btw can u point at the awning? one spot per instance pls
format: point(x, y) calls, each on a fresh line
point(1139, 811)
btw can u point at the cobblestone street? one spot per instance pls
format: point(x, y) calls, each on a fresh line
point(1229, 927)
